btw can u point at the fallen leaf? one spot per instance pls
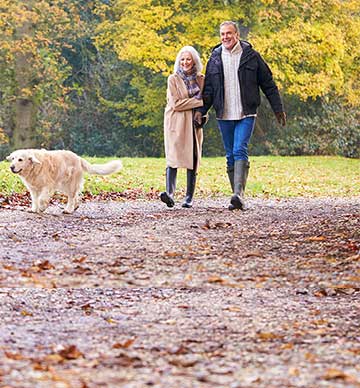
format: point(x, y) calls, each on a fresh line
point(233, 309)
point(294, 371)
point(26, 313)
point(70, 353)
point(87, 308)
point(110, 320)
point(54, 358)
point(337, 374)
point(184, 362)
point(43, 265)
point(80, 259)
point(125, 360)
point(266, 336)
point(171, 254)
point(316, 238)
point(14, 356)
point(216, 279)
point(9, 267)
point(124, 345)
point(289, 346)
point(253, 253)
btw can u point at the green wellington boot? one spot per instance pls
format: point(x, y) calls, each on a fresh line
point(230, 172)
point(190, 188)
point(241, 172)
point(168, 195)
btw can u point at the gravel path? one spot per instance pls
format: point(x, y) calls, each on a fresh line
point(133, 294)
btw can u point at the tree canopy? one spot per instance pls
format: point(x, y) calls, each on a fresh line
point(33, 70)
point(92, 75)
point(313, 49)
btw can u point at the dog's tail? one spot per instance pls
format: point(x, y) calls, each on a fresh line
point(101, 169)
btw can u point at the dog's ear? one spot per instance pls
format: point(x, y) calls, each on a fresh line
point(34, 159)
point(9, 157)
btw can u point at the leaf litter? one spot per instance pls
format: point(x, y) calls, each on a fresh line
point(131, 294)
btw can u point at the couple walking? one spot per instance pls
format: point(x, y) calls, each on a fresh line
point(234, 74)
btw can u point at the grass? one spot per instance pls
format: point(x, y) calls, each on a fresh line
point(270, 176)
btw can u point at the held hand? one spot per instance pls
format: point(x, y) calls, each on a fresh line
point(198, 117)
point(281, 118)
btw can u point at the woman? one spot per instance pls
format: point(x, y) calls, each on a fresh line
point(183, 141)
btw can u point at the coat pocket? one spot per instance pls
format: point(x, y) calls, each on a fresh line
point(250, 73)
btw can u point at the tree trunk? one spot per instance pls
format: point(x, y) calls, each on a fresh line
point(25, 124)
point(25, 108)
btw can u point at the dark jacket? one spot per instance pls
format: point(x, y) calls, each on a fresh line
point(253, 73)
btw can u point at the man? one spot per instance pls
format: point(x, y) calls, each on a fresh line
point(234, 73)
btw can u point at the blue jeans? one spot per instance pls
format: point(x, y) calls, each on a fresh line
point(236, 135)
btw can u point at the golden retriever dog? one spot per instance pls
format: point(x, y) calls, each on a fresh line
point(44, 172)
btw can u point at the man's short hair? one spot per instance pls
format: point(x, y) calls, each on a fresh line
point(230, 23)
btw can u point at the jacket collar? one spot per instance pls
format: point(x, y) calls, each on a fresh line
point(248, 52)
point(246, 47)
point(235, 50)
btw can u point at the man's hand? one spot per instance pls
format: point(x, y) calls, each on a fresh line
point(281, 118)
point(198, 117)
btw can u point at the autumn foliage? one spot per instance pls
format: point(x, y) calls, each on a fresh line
point(91, 76)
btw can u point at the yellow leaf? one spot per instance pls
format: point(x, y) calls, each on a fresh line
point(26, 313)
point(266, 336)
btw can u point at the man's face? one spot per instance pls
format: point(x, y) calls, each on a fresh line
point(228, 36)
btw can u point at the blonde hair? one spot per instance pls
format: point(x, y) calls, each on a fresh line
point(195, 56)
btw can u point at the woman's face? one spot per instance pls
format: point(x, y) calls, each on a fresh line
point(186, 61)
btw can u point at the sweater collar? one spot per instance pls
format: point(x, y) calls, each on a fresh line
point(237, 49)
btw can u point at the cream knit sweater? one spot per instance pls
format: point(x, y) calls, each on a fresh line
point(232, 102)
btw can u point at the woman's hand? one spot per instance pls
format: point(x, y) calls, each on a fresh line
point(198, 117)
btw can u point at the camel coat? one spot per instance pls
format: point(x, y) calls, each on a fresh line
point(178, 125)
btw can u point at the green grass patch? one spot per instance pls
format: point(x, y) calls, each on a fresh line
point(270, 176)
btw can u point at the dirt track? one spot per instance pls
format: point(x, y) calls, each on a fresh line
point(136, 295)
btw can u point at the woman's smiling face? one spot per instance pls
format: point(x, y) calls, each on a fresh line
point(186, 61)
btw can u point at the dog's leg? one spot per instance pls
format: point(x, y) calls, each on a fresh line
point(43, 200)
point(70, 206)
point(74, 193)
point(44, 203)
point(79, 190)
point(35, 204)
point(71, 203)
point(77, 201)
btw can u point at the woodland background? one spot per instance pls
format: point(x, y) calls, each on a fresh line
point(91, 75)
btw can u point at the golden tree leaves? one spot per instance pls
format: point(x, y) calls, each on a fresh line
point(312, 50)
point(31, 39)
point(33, 35)
point(150, 33)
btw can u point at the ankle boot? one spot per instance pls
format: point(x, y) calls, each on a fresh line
point(241, 172)
point(190, 188)
point(168, 195)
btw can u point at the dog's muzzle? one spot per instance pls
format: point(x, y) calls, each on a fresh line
point(13, 169)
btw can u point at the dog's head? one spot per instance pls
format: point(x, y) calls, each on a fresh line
point(22, 161)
